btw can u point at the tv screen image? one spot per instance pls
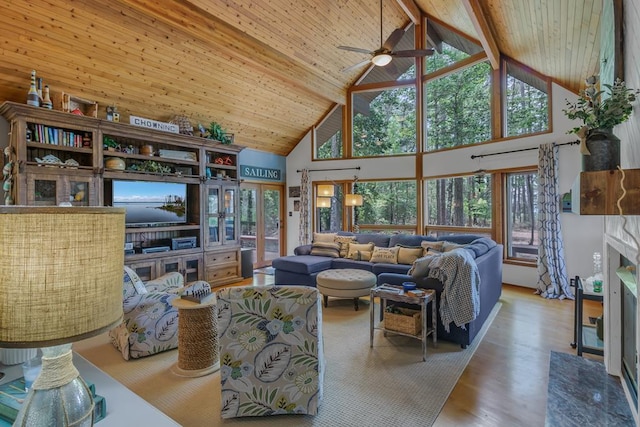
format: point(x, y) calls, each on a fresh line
point(151, 203)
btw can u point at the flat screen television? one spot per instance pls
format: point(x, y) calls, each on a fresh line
point(150, 203)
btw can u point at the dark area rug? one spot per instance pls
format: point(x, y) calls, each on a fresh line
point(581, 393)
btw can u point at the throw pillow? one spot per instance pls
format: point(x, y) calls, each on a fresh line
point(361, 255)
point(329, 249)
point(344, 241)
point(448, 246)
point(386, 255)
point(324, 237)
point(420, 267)
point(408, 254)
point(432, 246)
point(362, 247)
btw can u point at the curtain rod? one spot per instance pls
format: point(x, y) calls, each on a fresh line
point(479, 156)
point(335, 169)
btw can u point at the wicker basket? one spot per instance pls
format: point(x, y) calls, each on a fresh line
point(409, 322)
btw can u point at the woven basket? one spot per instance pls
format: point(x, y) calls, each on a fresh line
point(409, 322)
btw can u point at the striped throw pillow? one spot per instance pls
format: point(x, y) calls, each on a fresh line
point(329, 249)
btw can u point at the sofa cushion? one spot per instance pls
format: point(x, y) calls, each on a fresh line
point(303, 264)
point(437, 246)
point(408, 254)
point(344, 241)
point(449, 246)
point(358, 251)
point(350, 263)
point(380, 240)
point(408, 239)
point(324, 237)
point(329, 249)
point(481, 246)
point(462, 239)
point(386, 255)
point(390, 268)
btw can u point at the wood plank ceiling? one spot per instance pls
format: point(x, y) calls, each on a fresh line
point(266, 70)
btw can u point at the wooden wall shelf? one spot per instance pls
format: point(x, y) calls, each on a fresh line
point(597, 193)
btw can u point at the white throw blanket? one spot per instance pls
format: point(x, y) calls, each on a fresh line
point(460, 298)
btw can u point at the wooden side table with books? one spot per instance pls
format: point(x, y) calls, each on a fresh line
point(410, 323)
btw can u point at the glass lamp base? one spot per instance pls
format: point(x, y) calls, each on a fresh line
point(59, 396)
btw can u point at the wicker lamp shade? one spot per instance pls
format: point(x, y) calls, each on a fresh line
point(325, 190)
point(61, 270)
point(353, 200)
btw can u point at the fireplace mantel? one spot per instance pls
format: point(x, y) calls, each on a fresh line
point(618, 241)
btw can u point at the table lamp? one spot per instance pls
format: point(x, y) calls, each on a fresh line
point(61, 275)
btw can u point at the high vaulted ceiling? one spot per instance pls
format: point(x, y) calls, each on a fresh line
point(266, 70)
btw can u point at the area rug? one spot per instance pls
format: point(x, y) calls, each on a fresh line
point(388, 384)
point(581, 393)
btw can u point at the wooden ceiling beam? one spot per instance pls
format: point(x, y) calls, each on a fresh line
point(481, 25)
point(412, 10)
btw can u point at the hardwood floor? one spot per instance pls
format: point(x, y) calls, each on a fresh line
point(506, 381)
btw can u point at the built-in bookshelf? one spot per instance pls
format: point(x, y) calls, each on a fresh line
point(61, 157)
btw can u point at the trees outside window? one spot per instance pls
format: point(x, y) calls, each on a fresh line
point(328, 136)
point(389, 206)
point(527, 102)
point(457, 108)
point(461, 203)
point(384, 121)
point(522, 215)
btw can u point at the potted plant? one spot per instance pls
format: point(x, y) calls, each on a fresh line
point(600, 111)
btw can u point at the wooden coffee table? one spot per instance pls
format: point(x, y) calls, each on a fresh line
point(395, 293)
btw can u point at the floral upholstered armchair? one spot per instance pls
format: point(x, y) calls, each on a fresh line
point(150, 323)
point(271, 353)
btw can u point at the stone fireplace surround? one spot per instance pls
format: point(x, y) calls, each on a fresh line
point(618, 242)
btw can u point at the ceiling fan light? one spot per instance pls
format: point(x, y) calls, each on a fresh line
point(381, 59)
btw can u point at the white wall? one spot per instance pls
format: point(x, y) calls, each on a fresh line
point(582, 234)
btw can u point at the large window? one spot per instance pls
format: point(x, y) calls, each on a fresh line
point(522, 215)
point(526, 102)
point(328, 139)
point(459, 203)
point(388, 205)
point(384, 121)
point(457, 108)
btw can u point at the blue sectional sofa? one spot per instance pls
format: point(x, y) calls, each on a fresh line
point(303, 267)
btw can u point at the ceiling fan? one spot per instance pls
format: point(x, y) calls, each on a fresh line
point(383, 55)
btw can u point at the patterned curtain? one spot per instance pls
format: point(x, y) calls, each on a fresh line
point(303, 232)
point(552, 271)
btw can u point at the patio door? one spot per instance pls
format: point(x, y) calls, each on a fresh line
point(261, 221)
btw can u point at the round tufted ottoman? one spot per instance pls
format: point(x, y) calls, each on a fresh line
point(345, 283)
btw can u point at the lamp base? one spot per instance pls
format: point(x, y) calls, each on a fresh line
point(58, 396)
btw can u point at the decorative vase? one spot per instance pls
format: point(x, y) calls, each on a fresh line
point(115, 163)
point(604, 147)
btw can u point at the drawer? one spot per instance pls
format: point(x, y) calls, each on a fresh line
point(222, 274)
point(221, 257)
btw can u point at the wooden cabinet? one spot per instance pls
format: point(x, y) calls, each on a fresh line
point(222, 266)
point(61, 157)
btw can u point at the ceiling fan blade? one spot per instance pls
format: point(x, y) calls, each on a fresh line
point(413, 52)
point(355, 49)
point(393, 39)
point(354, 66)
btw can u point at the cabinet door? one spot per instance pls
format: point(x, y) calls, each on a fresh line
point(52, 189)
point(212, 228)
point(190, 266)
point(146, 270)
point(230, 210)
